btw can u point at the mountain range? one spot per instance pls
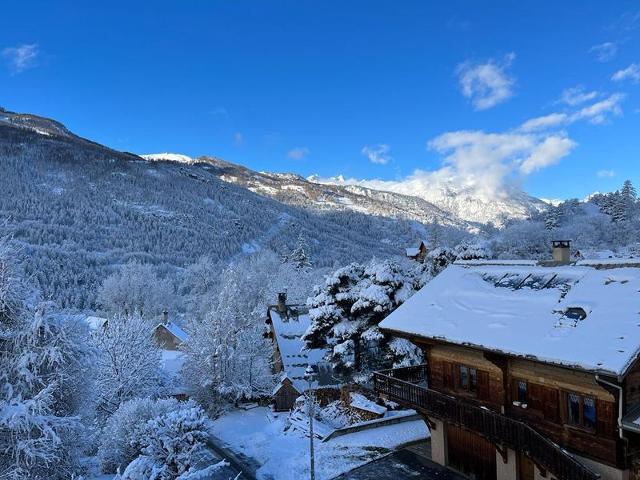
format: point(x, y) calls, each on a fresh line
point(77, 210)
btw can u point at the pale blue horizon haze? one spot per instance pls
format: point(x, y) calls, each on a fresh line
point(544, 94)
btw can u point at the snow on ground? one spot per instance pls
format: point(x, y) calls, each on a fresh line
point(284, 455)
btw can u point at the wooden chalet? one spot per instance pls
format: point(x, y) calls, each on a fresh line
point(418, 253)
point(531, 370)
point(286, 324)
point(169, 335)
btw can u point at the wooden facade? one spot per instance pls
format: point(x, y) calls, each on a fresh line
point(536, 393)
point(506, 399)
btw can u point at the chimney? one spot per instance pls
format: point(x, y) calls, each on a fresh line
point(561, 251)
point(282, 303)
point(165, 316)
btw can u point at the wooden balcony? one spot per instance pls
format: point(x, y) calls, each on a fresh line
point(408, 386)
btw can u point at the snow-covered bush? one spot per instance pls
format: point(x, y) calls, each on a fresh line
point(346, 310)
point(128, 363)
point(123, 436)
point(175, 446)
point(136, 289)
point(472, 250)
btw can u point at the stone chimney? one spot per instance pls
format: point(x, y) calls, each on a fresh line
point(165, 316)
point(282, 303)
point(561, 251)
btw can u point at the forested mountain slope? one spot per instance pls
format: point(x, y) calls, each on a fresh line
point(78, 210)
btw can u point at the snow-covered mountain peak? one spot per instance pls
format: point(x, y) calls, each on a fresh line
point(168, 157)
point(465, 202)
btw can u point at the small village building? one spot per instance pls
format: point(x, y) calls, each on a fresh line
point(418, 253)
point(532, 369)
point(169, 335)
point(286, 326)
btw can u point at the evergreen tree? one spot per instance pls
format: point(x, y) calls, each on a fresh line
point(298, 256)
point(345, 313)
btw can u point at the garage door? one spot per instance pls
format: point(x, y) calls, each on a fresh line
point(471, 454)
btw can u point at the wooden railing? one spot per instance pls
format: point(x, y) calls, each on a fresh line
point(407, 386)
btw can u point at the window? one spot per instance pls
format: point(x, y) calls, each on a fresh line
point(581, 411)
point(522, 391)
point(589, 412)
point(468, 378)
point(573, 409)
point(464, 377)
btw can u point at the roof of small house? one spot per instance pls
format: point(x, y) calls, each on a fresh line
point(95, 323)
point(175, 330)
point(413, 251)
point(361, 402)
point(289, 330)
point(534, 311)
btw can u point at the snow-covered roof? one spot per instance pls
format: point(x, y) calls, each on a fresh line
point(175, 330)
point(95, 323)
point(529, 310)
point(289, 330)
point(361, 402)
point(413, 251)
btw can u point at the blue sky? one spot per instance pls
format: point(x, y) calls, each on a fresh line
point(481, 93)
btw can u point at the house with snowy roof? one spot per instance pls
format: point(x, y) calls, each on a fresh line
point(531, 368)
point(169, 335)
point(418, 253)
point(286, 324)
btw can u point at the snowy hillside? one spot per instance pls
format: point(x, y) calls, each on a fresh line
point(78, 210)
point(296, 190)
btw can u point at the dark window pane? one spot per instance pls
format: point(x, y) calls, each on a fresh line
point(573, 408)
point(473, 379)
point(522, 391)
point(589, 412)
point(464, 377)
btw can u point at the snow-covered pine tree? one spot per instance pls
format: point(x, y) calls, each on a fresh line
point(299, 256)
point(345, 313)
point(40, 434)
point(128, 363)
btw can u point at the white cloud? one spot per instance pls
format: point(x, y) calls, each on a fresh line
point(606, 174)
point(378, 154)
point(605, 51)
point(480, 164)
point(577, 95)
point(545, 122)
point(21, 58)
point(238, 138)
point(598, 112)
point(298, 153)
point(632, 72)
point(549, 152)
point(486, 84)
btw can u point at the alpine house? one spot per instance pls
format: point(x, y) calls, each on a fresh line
point(531, 368)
